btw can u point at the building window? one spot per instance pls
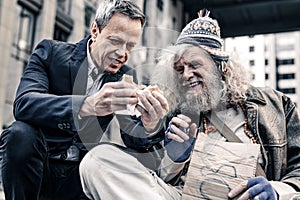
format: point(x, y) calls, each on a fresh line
point(64, 6)
point(266, 62)
point(174, 21)
point(253, 77)
point(285, 61)
point(266, 76)
point(174, 3)
point(160, 4)
point(60, 34)
point(89, 16)
point(251, 62)
point(24, 36)
point(251, 49)
point(288, 90)
point(63, 22)
point(286, 76)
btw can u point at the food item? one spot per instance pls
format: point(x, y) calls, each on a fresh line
point(129, 79)
point(152, 88)
point(131, 109)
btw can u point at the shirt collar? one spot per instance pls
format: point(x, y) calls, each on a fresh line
point(91, 64)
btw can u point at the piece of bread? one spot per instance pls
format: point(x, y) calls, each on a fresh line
point(129, 79)
point(152, 88)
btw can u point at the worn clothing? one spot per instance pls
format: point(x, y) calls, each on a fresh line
point(48, 100)
point(107, 166)
point(273, 119)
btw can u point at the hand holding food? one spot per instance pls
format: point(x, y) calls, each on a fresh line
point(152, 105)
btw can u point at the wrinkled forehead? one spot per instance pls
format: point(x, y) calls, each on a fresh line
point(190, 54)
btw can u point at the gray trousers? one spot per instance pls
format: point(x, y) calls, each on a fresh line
point(109, 173)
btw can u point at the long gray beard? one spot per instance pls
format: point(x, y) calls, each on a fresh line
point(204, 101)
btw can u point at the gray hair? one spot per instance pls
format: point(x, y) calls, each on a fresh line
point(234, 83)
point(107, 8)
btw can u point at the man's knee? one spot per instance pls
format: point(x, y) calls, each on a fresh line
point(94, 157)
point(111, 158)
point(100, 155)
point(20, 140)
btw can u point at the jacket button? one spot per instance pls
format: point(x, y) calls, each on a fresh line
point(63, 156)
point(60, 126)
point(68, 125)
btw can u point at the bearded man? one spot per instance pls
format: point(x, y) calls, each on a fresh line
point(213, 83)
point(199, 79)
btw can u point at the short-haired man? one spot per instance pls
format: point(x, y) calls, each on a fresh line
point(66, 100)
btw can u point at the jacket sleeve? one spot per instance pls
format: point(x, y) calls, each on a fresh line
point(171, 171)
point(292, 176)
point(34, 104)
point(134, 134)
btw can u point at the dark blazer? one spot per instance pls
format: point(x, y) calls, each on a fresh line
point(52, 90)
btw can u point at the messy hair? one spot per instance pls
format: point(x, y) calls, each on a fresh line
point(234, 81)
point(107, 8)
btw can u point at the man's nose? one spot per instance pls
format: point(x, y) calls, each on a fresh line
point(187, 73)
point(122, 51)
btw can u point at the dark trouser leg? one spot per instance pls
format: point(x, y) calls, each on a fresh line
point(64, 176)
point(28, 173)
point(23, 152)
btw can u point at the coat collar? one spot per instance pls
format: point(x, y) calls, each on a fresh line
point(80, 52)
point(255, 95)
point(77, 64)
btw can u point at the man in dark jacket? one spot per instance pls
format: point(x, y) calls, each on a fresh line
point(65, 101)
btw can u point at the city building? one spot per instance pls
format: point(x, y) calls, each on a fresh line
point(23, 23)
point(271, 60)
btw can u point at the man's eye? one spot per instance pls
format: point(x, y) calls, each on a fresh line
point(194, 65)
point(130, 46)
point(179, 69)
point(115, 42)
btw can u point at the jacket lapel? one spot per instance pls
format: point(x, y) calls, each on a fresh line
point(79, 76)
point(79, 67)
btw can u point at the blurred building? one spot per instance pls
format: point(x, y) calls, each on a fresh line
point(272, 60)
point(23, 23)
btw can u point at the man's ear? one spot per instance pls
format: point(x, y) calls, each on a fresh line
point(94, 30)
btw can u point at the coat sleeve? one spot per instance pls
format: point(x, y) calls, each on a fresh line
point(134, 134)
point(170, 170)
point(292, 176)
point(34, 104)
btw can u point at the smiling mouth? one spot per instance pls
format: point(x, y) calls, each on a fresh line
point(193, 84)
point(115, 61)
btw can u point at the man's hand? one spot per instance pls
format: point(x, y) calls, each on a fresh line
point(257, 188)
point(155, 108)
point(113, 96)
point(180, 138)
